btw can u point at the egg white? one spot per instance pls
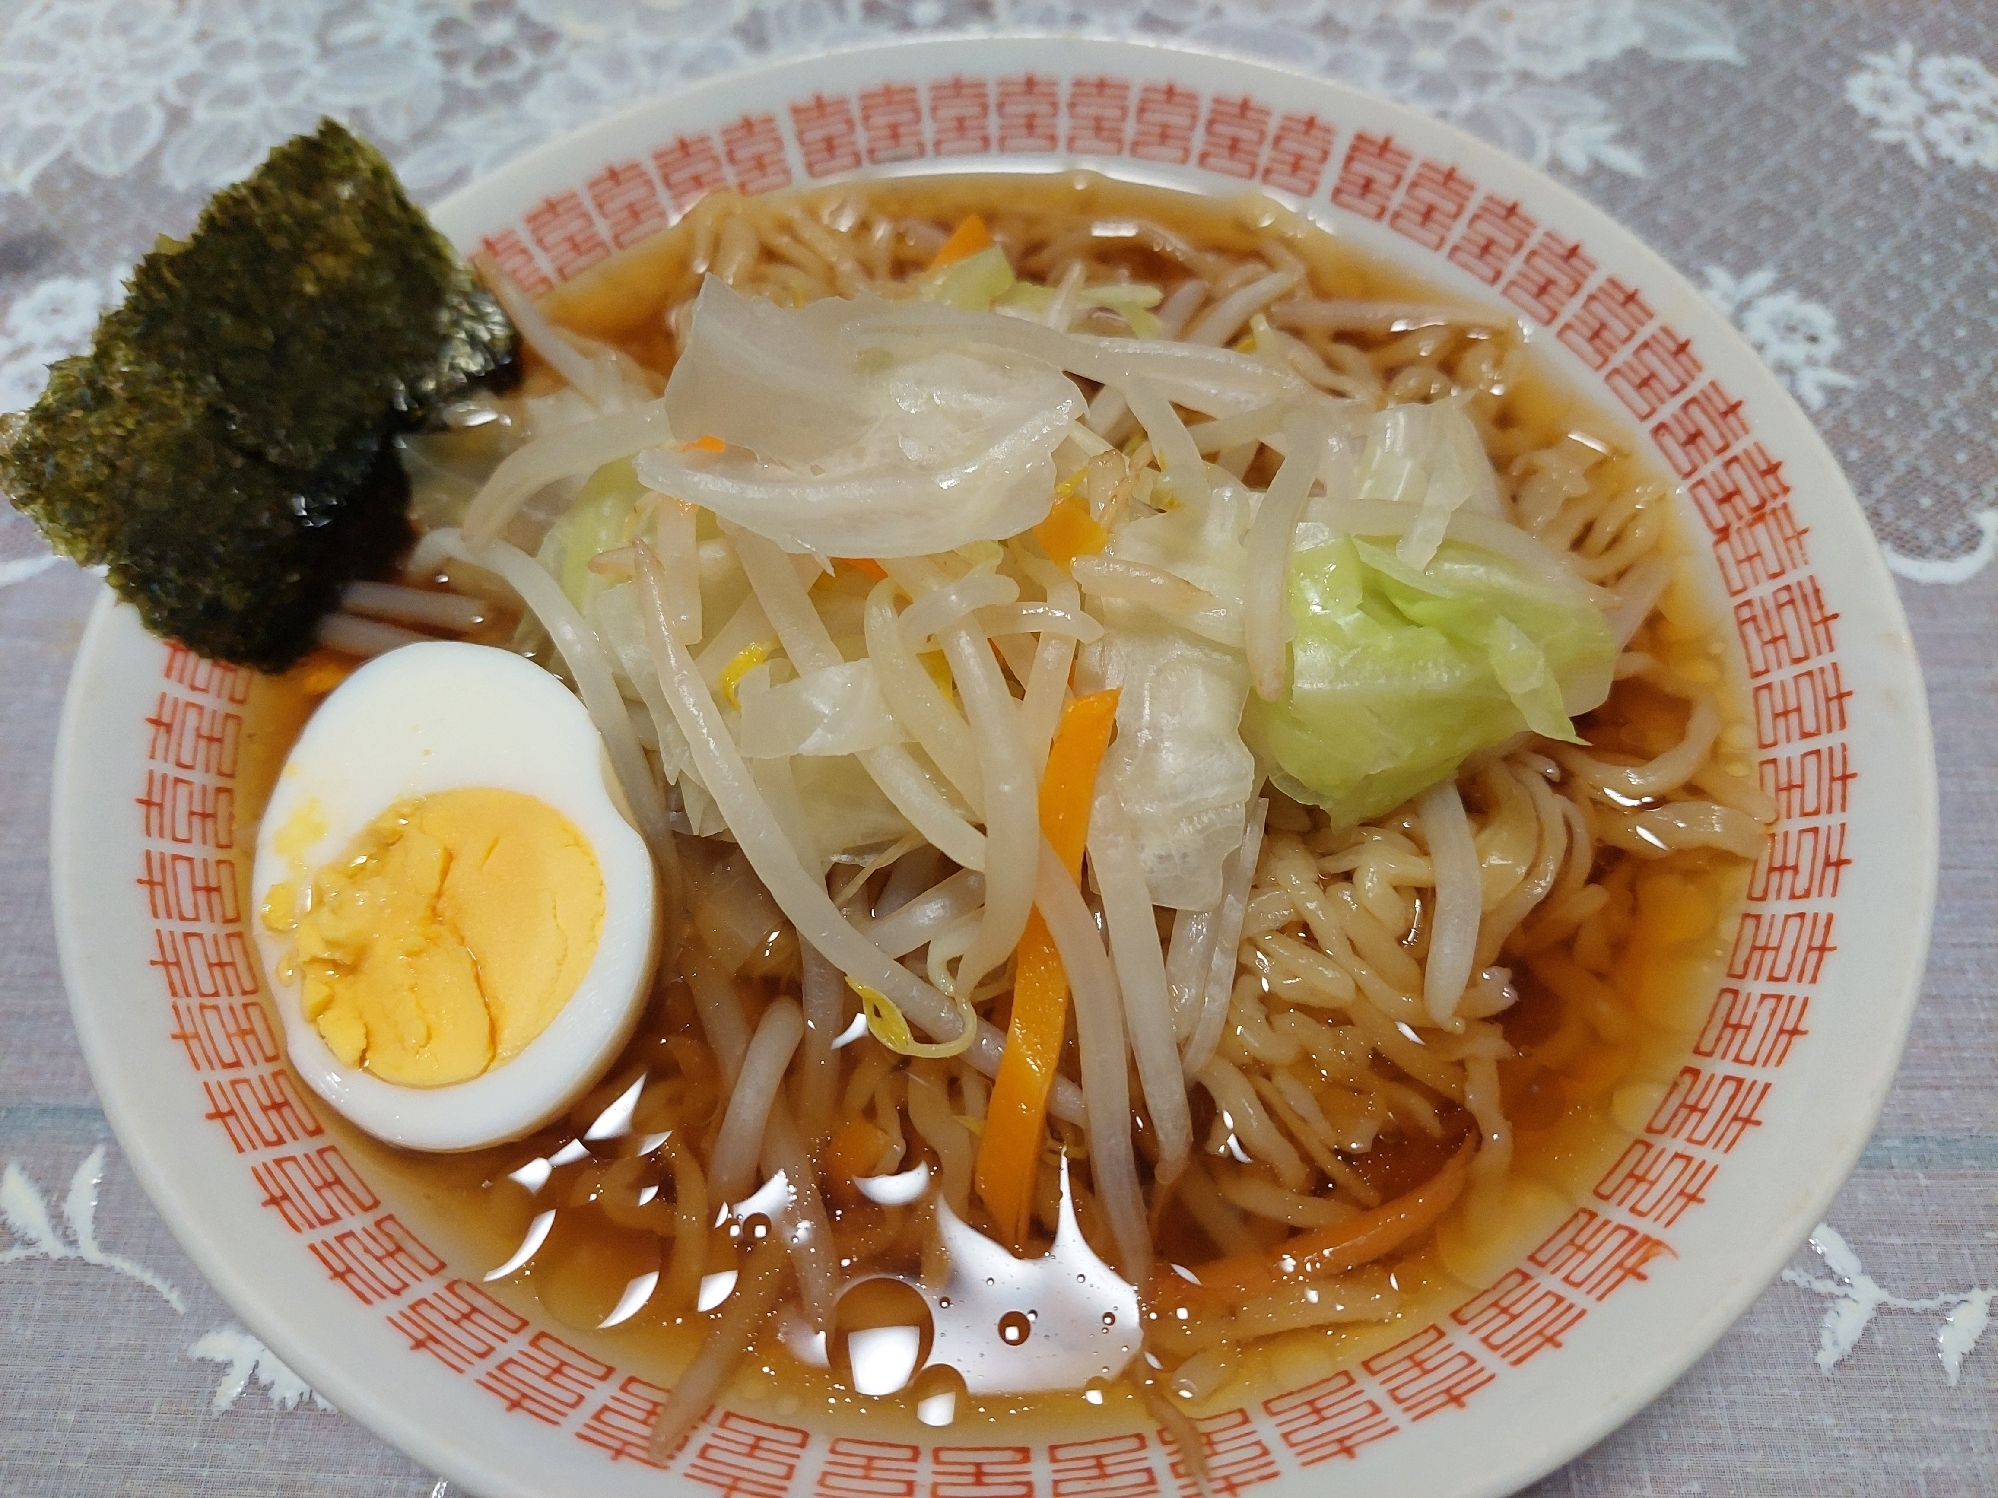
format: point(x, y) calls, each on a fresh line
point(442, 716)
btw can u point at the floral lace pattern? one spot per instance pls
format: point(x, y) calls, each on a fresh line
point(1852, 1297)
point(1873, 295)
point(118, 116)
point(1796, 338)
point(51, 320)
point(92, 82)
point(100, 84)
point(248, 1364)
point(1942, 109)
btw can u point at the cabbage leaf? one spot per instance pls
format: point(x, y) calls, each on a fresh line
point(1398, 673)
point(595, 522)
point(1178, 762)
point(973, 283)
point(890, 450)
point(831, 711)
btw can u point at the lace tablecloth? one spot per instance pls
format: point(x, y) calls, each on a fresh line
point(1827, 171)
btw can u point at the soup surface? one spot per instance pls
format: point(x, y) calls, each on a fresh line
point(1608, 870)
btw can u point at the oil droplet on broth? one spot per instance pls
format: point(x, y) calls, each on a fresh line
point(936, 1393)
point(881, 1335)
point(932, 1343)
point(1028, 1326)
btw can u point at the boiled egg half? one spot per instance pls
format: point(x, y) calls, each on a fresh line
point(459, 922)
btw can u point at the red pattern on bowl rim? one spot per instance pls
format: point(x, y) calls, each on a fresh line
point(1820, 981)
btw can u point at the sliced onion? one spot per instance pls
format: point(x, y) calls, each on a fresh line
point(1218, 382)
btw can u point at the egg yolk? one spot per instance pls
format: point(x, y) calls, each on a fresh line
point(449, 935)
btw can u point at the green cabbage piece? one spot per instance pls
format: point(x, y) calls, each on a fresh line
point(1399, 674)
point(972, 284)
point(595, 521)
point(979, 282)
point(1131, 301)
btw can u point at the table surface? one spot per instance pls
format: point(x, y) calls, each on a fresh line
point(1828, 172)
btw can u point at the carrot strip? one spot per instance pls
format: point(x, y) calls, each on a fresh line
point(1070, 532)
point(1322, 1251)
point(967, 239)
point(1068, 788)
point(866, 566)
point(706, 444)
point(1009, 1151)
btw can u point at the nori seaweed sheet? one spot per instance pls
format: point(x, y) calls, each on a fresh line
point(224, 448)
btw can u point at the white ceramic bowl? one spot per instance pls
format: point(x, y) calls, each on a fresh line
point(1776, 1095)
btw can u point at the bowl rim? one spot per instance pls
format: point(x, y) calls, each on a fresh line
point(205, 1239)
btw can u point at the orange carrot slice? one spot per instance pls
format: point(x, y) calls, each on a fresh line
point(1069, 532)
point(1009, 1151)
point(1322, 1251)
point(968, 238)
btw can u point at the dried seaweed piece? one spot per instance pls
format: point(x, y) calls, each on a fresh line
point(224, 447)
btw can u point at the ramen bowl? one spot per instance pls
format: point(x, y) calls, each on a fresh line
point(1764, 1102)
